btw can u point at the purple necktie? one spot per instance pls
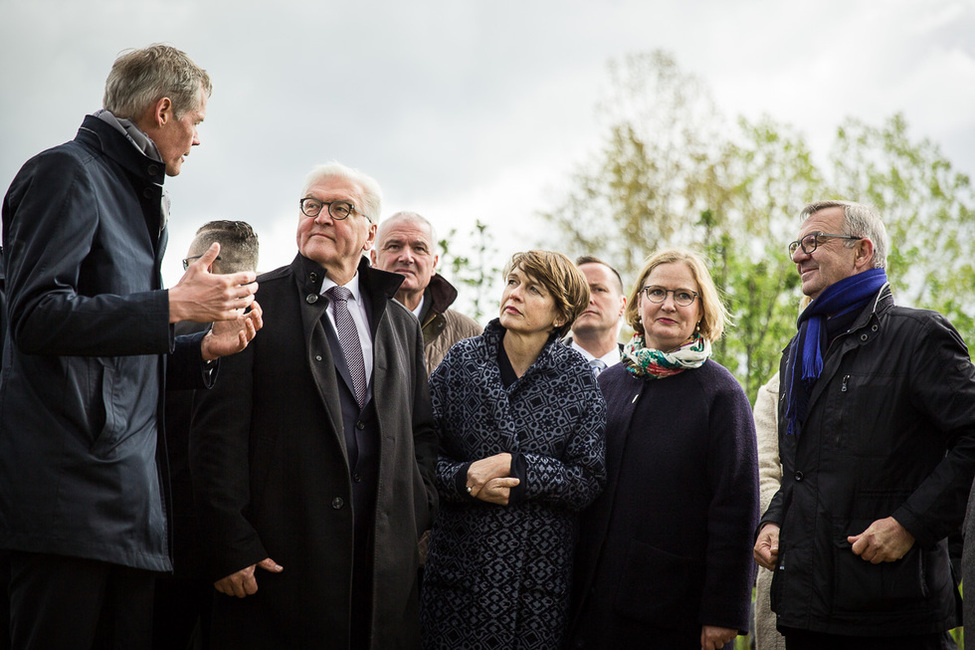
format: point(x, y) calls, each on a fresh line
point(349, 340)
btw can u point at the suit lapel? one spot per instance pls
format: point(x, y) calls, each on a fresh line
point(316, 342)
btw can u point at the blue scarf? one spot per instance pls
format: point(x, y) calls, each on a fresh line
point(838, 303)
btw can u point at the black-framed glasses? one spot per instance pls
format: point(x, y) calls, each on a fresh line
point(338, 210)
point(186, 262)
point(657, 294)
point(811, 242)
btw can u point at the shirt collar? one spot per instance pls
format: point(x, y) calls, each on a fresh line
point(610, 358)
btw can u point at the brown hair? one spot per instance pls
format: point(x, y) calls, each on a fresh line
point(560, 277)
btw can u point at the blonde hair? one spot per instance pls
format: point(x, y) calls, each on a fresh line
point(713, 312)
point(560, 277)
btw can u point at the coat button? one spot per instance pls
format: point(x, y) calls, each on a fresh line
point(337, 503)
point(153, 170)
point(318, 357)
point(147, 193)
point(360, 425)
point(798, 476)
point(863, 337)
point(313, 276)
point(311, 298)
point(356, 478)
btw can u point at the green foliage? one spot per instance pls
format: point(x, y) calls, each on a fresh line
point(476, 276)
point(673, 173)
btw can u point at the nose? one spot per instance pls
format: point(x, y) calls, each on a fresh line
point(196, 137)
point(799, 254)
point(406, 255)
point(324, 216)
point(668, 302)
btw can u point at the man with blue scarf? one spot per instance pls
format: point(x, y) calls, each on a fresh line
point(877, 442)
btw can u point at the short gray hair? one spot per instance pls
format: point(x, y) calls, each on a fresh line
point(414, 218)
point(140, 78)
point(239, 247)
point(860, 221)
point(372, 194)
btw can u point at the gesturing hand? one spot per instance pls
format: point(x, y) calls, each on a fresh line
point(232, 336)
point(204, 297)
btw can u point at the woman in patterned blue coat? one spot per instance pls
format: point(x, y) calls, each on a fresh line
point(522, 451)
point(665, 559)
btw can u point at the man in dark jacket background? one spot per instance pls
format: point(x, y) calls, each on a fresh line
point(82, 474)
point(313, 458)
point(877, 442)
point(406, 243)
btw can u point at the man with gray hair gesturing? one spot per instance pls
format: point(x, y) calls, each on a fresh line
point(89, 350)
point(876, 425)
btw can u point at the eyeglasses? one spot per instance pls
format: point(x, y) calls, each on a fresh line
point(338, 210)
point(811, 242)
point(657, 294)
point(186, 262)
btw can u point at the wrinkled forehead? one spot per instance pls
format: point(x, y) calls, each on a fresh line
point(829, 220)
point(406, 231)
point(332, 187)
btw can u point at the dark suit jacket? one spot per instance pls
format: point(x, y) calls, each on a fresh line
point(269, 457)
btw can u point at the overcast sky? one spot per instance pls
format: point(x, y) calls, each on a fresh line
point(462, 109)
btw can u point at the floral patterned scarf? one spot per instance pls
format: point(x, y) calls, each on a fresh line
point(656, 364)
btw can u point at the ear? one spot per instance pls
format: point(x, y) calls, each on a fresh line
point(162, 112)
point(863, 260)
point(370, 238)
point(155, 117)
point(622, 305)
point(436, 260)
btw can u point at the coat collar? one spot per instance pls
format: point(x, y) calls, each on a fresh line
point(100, 135)
point(439, 296)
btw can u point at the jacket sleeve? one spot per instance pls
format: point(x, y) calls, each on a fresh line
point(186, 369)
point(51, 219)
point(576, 479)
point(219, 459)
point(943, 384)
point(424, 439)
point(449, 466)
point(732, 472)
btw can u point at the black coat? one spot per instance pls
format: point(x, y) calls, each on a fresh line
point(890, 431)
point(85, 358)
point(268, 454)
point(667, 547)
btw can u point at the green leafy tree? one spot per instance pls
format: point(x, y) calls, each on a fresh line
point(475, 274)
point(673, 172)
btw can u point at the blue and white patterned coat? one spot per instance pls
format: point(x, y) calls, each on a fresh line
point(499, 576)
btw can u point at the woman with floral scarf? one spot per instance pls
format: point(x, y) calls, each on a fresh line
point(664, 559)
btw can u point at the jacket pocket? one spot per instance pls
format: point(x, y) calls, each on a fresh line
point(106, 405)
point(861, 586)
point(658, 587)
